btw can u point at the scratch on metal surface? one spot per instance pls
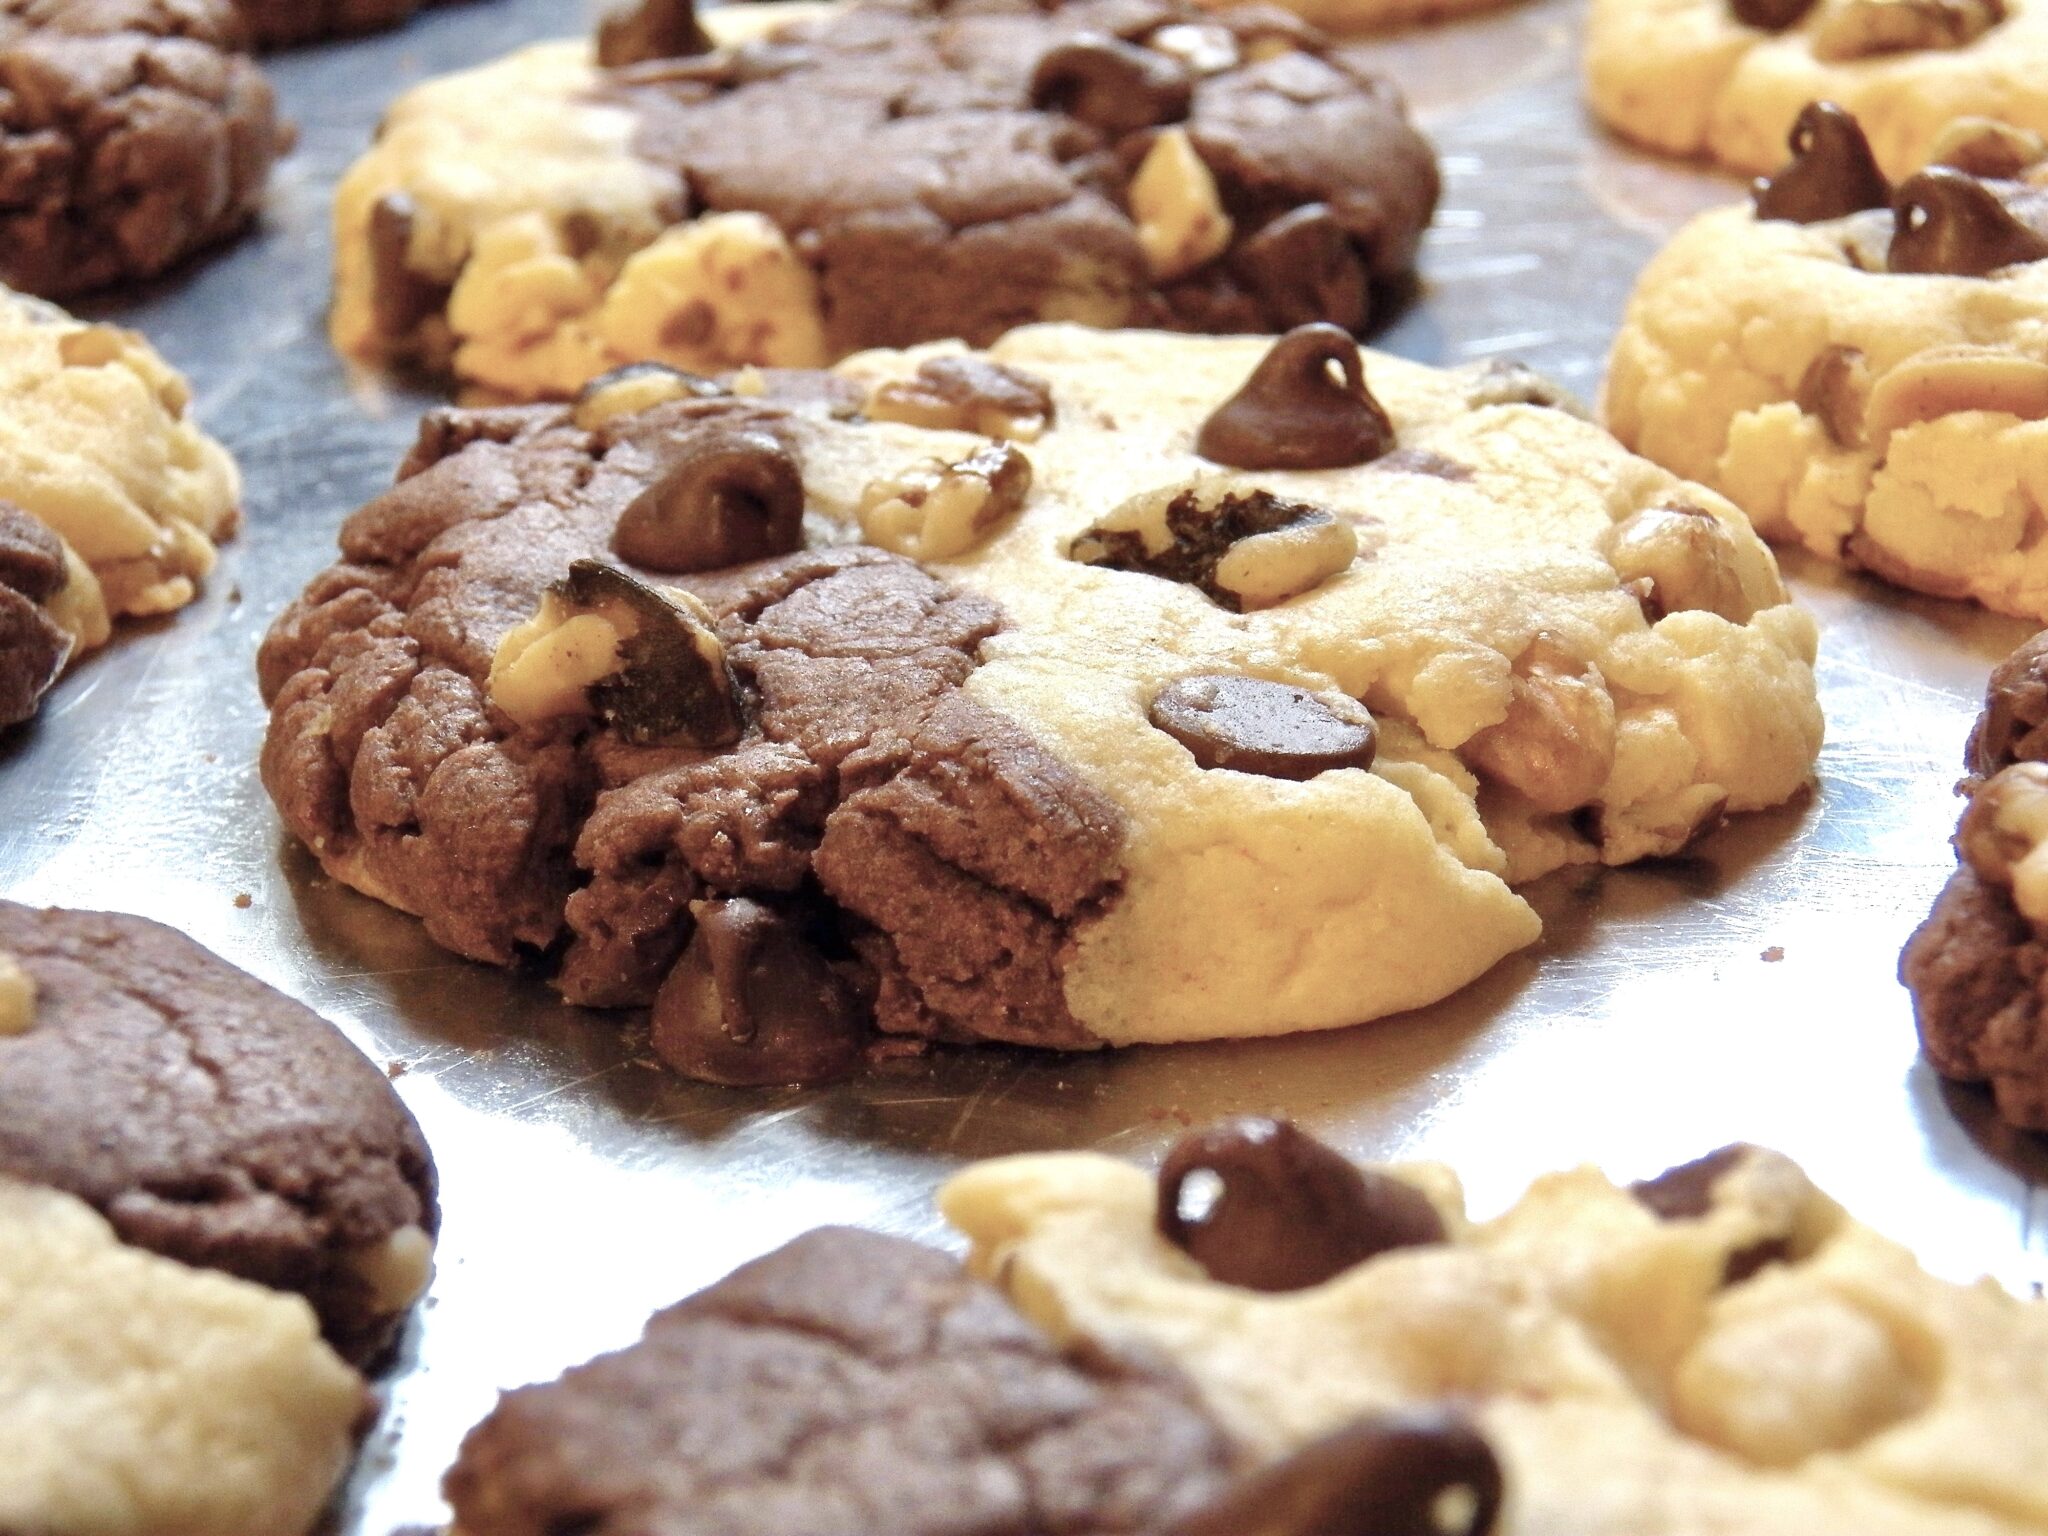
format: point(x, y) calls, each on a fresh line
point(561, 1088)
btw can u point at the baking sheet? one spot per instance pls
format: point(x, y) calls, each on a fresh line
point(1744, 992)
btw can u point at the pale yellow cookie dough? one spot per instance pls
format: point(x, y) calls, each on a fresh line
point(1483, 621)
point(1349, 16)
point(1626, 1389)
point(139, 1397)
point(1942, 484)
point(97, 442)
point(1685, 77)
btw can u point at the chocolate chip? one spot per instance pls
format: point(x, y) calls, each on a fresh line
point(2014, 725)
point(753, 1002)
point(1832, 172)
point(31, 556)
point(1949, 222)
point(1304, 267)
point(1287, 1212)
point(1111, 85)
point(1770, 15)
point(33, 651)
point(729, 493)
point(400, 298)
point(673, 684)
point(1250, 725)
point(651, 29)
point(1686, 1193)
point(1215, 540)
point(1835, 389)
point(1292, 413)
point(1423, 1472)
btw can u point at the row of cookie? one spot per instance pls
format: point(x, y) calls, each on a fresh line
point(198, 1178)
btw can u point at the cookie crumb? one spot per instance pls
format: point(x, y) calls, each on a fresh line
point(1773, 955)
point(243, 901)
point(396, 1068)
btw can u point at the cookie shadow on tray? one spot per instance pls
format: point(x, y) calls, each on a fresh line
point(1951, 1112)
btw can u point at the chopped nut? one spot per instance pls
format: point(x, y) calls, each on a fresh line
point(397, 1269)
point(2004, 835)
point(1836, 389)
point(966, 394)
point(712, 294)
point(1945, 380)
point(17, 996)
point(1985, 147)
point(1556, 746)
point(1504, 381)
point(1181, 222)
point(1245, 549)
point(1205, 48)
point(635, 388)
point(646, 662)
point(1861, 29)
point(940, 510)
point(1686, 558)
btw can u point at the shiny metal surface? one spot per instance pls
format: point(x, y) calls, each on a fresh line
point(584, 1189)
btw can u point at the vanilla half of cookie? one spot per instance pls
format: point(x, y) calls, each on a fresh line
point(1862, 367)
point(1721, 1348)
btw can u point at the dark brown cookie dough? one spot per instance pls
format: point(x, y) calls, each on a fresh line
point(1978, 966)
point(132, 133)
point(932, 856)
point(213, 1120)
point(284, 23)
point(33, 648)
point(846, 1382)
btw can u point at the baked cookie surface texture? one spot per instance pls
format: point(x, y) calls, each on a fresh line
point(966, 166)
point(1092, 703)
point(1726, 79)
point(286, 23)
point(1719, 1349)
point(111, 498)
point(213, 1209)
point(1862, 367)
point(132, 134)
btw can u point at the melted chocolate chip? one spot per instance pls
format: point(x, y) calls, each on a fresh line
point(673, 684)
point(754, 1002)
point(399, 297)
point(31, 556)
point(1832, 172)
point(1304, 267)
point(1250, 725)
point(1771, 15)
point(1425, 1472)
point(1835, 390)
point(1293, 414)
point(2014, 725)
point(1686, 1193)
point(1201, 532)
point(1288, 1212)
point(729, 493)
point(1949, 222)
point(1111, 85)
point(651, 29)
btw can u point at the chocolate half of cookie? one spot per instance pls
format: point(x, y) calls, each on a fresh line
point(210, 1119)
point(33, 646)
point(903, 170)
point(133, 133)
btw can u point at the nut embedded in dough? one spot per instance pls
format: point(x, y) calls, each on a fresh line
point(1861, 29)
point(940, 511)
point(17, 996)
point(1181, 222)
point(1556, 746)
point(1685, 557)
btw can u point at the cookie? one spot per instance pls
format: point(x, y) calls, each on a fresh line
point(964, 168)
point(847, 1381)
point(1727, 79)
point(1862, 368)
point(1721, 1348)
point(135, 133)
point(141, 1397)
point(211, 1120)
point(1097, 740)
point(111, 498)
point(287, 23)
point(1353, 17)
point(1976, 966)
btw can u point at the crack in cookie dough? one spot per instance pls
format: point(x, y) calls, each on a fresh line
point(1720, 1349)
point(132, 133)
point(1871, 385)
point(1691, 78)
point(111, 498)
point(957, 180)
point(951, 784)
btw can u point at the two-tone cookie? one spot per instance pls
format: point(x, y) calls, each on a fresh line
point(111, 498)
point(893, 172)
point(1976, 966)
point(132, 134)
point(1721, 1348)
point(287, 23)
point(214, 1211)
point(1862, 367)
point(1181, 688)
point(1726, 79)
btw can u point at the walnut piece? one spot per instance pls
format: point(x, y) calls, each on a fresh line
point(1556, 746)
point(937, 511)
